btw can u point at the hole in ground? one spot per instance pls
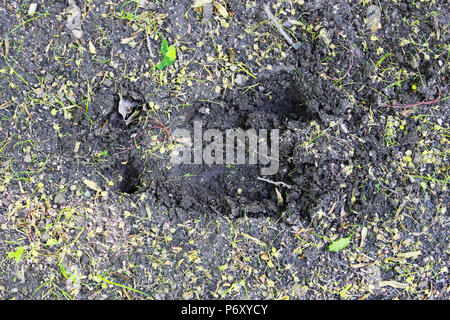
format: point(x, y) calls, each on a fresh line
point(129, 175)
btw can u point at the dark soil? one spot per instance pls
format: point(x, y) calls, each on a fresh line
point(92, 208)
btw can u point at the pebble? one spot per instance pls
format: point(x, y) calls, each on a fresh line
point(48, 78)
point(77, 34)
point(60, 198)
point(147, 5)
point(108, 82)
point(287, 24)
point(204, 110)
point(240, 79)
point(32, 8)
point(373, 15)
point(207, 13)
point(311, 253)
point(74, 20)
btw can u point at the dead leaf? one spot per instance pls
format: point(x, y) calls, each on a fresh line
point(127, 40)
point(125, 107)
point(411, 254)
point(200, 3)
point(279, 196)
point(363, 236)
point(222, 10)
point(92, 185)
point(394, 284)
point(77, 147)
point(262, 244)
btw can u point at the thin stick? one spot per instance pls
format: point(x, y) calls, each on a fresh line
point(348, 70)
point(352, 54)
point(149, 46)
point(276, 183)
point(164, 128)
point(30, 235)
point(279, 28)
point(404, 106)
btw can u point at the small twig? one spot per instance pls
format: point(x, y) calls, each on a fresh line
point(404, 106)
point(149, 46)
point(160, 126)
point(348, 70)
point(164, 128)
point(276, 183)
point(280, 28)
point(352, 54)
point(30, 235)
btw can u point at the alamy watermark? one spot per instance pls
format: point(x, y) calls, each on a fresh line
point(229, 147)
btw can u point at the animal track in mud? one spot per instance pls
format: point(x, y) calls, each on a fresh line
point(228, 189)
point(236, 189)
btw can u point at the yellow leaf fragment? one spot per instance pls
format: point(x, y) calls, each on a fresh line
point(92, 48)
point(257, 241)
point(410, 254)
point(92, 185)
point(394, 284)
point(279, 196)
point(127, 40)
point(221, 9)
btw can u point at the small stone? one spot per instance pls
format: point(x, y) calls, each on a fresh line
point(297, 45)
point(311, 253)
point(32, 8)
point(45, 237)
point(77, 34)
point(108, 82)
point(204, 110)
point(287, 24)
point(27, 158)
point(48, 78)
point(207, 13)
point(60, 198)
point(423, 285)
point(240, 79)
point(149, 5)
point(74, 20)
point(373, 15)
